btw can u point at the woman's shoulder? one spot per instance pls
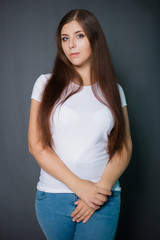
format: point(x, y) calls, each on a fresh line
point(122, 95)
point(45, 76)
point(39, 86)
point(119, 86)
point(42, 79)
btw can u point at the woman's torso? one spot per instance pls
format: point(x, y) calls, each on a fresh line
point(79, 129)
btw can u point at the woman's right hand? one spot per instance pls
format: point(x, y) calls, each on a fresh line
point(91, 194)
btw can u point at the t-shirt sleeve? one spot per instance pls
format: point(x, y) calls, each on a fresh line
point(122, 96)
point(38, 88)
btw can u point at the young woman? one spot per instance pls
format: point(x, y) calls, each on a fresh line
point(79, 135)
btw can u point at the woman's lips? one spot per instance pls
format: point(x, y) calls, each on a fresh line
point(74, 54)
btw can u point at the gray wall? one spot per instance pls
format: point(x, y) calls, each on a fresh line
point(28, 49)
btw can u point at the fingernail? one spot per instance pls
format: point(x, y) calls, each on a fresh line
point(73, 220)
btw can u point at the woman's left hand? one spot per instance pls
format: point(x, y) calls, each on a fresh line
point(82, 212)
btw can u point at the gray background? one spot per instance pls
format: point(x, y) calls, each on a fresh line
point(27, 42)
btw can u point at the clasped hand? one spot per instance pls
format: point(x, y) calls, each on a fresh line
point(92, 197)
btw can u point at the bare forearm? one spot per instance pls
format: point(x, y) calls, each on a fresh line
point(115, 168)
point(49, 161)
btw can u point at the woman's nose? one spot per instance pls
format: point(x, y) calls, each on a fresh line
point(72, 43)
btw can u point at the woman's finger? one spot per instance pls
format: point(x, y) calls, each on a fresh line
point(94, 206)
point(80, 214)
point(77, 209)
point(88, 217)
point(102, 198)
point(98, 202)
point(104, 191)
point(84, 215)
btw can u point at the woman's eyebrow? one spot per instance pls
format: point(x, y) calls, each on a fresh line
point(74, 33)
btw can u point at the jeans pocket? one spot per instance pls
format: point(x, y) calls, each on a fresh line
point(40, 195)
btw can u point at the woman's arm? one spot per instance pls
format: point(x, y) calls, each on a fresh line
point(53, 165)
point(114, 169)
point(119, 162)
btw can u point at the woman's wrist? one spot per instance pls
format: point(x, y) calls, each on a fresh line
point(103, 184)
point(75, 184)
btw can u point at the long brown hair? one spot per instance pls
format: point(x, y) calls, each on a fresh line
point(102, 71)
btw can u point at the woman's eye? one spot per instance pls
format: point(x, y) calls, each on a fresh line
point(81, 35)
point(64, 38)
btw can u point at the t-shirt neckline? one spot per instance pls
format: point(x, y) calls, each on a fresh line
point(84, 86)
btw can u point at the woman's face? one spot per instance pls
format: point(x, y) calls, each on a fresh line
point(74, 40)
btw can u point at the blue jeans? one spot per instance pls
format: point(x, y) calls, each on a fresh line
point(53, 211)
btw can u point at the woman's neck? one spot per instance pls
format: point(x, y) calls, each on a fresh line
point(85, 74)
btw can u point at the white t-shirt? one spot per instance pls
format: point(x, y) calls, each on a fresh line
point(80, 129)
